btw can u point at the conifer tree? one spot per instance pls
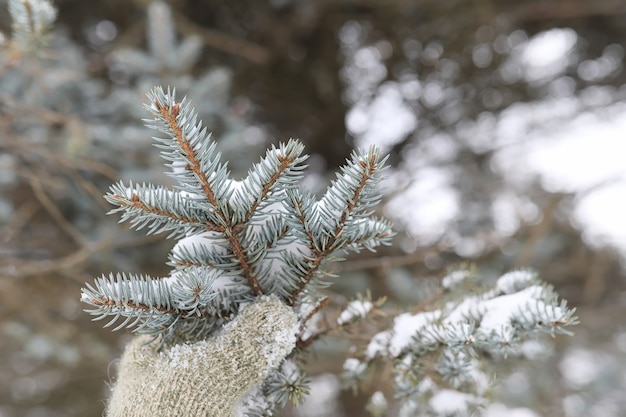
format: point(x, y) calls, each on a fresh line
point(263, 245)
point(249, 277)
point(239, 241)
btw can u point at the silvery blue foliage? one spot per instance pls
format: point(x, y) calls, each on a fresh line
point(439, 356)
point(237, 240)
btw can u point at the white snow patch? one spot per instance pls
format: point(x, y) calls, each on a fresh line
point(355, 309)
point(498, 312)
point(395, 340)
point(501, 310)
point(515, 280)
point(385, 121)
point(209, 240)
point(378, 399)
point(429, 204)
point(446, 402)
point(545, 55)
point(464, 310)
point(501, 410)
point(574, 152)
point(312, 326)
point(580, 367)
point(377, 404)
point(454, 278)
point(354, 366)
point(180, 355)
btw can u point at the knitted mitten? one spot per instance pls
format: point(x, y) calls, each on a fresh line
point(206, 377)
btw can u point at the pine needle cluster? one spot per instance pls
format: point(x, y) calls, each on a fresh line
point(237, 240)
point(266, 235)
point(440, 357)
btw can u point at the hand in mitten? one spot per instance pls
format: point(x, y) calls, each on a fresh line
point(206, 377)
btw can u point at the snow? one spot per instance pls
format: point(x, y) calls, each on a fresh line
point(378, 345)
point(378, 400)
point(464, 310)
point(500, 410)
point(545, 55)
point(454, 278)
point(427, 206)
point(555, 138)
point(515, 280)
point(495, 315)
point(580, 367)
point(385, 121)
point(600, 156)
point(312, 326)
point(448, 401)
point(581, 154)
point(405, 326)
point(324, 398)
point(179, 355)
point(354, 366)
point(355, 309)
point(377, 405)
point(500, 310)
point(208, 240)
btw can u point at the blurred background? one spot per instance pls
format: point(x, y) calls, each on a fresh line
point(505, 122)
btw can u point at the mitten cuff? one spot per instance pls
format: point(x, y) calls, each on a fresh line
point(208, 377)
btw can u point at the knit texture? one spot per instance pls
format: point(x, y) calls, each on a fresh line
point(207, 377)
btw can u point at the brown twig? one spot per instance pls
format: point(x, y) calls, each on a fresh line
point(65, 263)
point(336, 326)
point(47, 266)
point(223, 42)
point(285, 162)
point(136, 203)
point(169, 115)
point(54, 211)
point(24, 213)
point(369, 168)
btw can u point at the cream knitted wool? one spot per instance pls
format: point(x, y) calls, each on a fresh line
point(207, 377)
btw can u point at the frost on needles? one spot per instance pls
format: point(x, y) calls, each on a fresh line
point(440, 358)
point(237, 239)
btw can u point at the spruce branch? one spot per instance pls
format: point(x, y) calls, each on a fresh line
point(237, 239)
point(280, 169)
point(444, 349)
point(126, 296)
point(159, 209)
point(199, 256)
point(191, 141)
point(346, 200)
point(202, 173)
point(265, 240)
point(165, 55)
point(32, 21)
